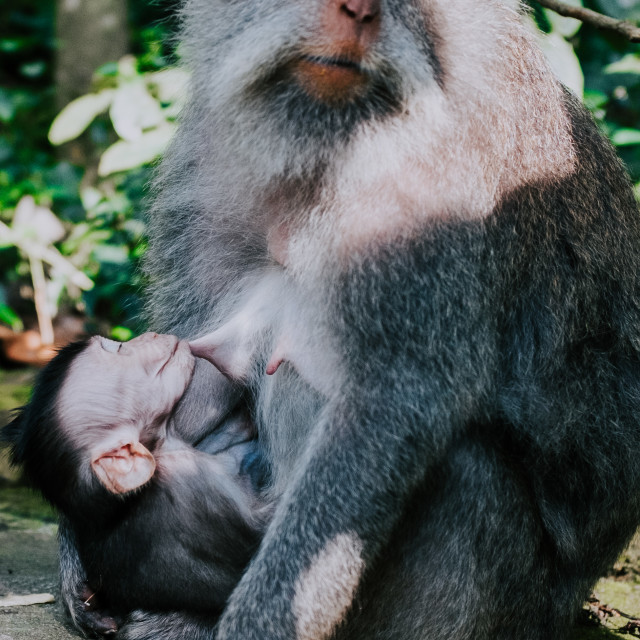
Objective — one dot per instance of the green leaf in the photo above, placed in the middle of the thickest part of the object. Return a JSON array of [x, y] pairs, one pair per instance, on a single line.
[[10, 317], [567, 27], [33, 69], [629, 64], [90, 197], [7, 107], [111, 253], [595, 99], [124, 155], [133, 110], [11, 45], [625, 137], [121, 334], [171, 84], [563, 61], [78, 115], [108, 70]]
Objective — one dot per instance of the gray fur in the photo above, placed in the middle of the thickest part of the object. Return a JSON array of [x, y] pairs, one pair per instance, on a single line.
[[467, 245]]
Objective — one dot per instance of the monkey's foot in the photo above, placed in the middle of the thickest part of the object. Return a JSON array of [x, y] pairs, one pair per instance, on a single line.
[[89, 617]]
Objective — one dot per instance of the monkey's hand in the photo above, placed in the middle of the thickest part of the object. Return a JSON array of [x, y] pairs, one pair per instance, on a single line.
[[88, 614]]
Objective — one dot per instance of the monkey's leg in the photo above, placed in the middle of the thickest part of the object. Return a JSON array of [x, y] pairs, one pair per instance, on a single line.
[[79, 600], [469, 560], [336, 520], [143, 625], [339, 515]]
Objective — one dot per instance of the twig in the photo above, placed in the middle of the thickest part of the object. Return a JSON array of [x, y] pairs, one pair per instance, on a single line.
[[21, 601], [594, 18], [47, 254], [45, 323], [603, 611]]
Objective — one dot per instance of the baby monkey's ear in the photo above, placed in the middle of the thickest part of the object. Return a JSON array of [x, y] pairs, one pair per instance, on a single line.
[[124, 468]]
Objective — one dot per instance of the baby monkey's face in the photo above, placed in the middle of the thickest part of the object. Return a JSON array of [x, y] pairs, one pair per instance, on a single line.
[[126, 382], [117, 397]]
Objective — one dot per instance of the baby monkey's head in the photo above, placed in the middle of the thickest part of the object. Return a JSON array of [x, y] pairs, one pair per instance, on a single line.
[[98, 411]]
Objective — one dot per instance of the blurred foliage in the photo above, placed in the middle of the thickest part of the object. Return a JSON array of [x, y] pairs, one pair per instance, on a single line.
[[605, 66], [142, 110], [102, 216], [128, 117]]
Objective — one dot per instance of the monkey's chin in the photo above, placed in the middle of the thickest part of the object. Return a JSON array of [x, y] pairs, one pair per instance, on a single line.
[[334, 81]]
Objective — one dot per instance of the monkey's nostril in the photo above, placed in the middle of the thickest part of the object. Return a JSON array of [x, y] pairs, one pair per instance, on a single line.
[[348, 11], [362, 11]]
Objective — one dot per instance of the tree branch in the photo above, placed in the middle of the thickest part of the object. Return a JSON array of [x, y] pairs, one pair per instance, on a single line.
[[594, 18]]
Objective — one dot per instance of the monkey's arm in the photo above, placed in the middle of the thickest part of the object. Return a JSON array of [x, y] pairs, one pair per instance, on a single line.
[[415, 331]]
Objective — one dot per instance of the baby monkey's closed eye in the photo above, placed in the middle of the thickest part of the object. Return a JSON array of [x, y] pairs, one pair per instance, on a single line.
[[110, 345]]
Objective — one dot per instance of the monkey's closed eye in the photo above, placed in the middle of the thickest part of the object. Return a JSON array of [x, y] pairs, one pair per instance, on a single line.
[[110, 345]]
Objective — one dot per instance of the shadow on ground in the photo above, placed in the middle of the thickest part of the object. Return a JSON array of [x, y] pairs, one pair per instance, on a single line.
[[28, 565], [28, 547]]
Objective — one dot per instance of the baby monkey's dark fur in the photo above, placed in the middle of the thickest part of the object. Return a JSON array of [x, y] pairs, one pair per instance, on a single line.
[[182, 540]]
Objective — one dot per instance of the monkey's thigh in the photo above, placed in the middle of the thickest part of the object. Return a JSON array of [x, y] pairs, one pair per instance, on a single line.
[[469, 560]]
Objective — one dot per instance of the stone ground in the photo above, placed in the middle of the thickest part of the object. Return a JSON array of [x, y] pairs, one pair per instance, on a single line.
[[28, 551], [28, 559]]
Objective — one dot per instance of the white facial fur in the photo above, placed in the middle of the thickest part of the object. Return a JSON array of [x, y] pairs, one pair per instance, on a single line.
[[488, 120], [115, 391]]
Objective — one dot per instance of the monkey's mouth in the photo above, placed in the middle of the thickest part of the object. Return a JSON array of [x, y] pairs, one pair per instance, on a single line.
[[343, 63], [330, 79]]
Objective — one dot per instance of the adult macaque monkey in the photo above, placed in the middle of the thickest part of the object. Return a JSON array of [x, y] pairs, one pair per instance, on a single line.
[[464, 246]]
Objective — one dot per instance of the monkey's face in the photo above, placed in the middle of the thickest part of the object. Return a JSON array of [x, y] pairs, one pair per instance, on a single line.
[[115, 402], [365, 120], [309, 71], [124, 390], [336, 50], [331, 68]]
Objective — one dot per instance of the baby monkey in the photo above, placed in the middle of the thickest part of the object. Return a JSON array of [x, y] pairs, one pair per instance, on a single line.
[[161, 522]]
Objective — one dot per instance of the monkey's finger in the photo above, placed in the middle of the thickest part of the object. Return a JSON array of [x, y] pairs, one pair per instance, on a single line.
[[274, 363]]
